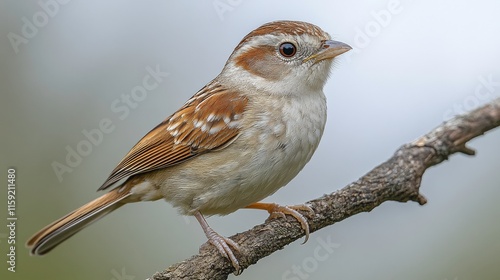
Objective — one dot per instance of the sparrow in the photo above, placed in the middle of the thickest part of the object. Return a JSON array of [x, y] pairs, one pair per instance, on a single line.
[[239, 139]]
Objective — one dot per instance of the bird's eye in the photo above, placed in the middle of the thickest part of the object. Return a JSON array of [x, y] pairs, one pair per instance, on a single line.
[[288, 49]]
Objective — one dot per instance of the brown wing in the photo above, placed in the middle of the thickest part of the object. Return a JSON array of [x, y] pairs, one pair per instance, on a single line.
[[210, 120]]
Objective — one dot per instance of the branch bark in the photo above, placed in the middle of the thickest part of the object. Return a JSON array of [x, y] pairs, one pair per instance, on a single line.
[[397, 179]]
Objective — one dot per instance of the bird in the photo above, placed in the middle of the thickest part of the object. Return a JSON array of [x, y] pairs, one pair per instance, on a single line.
[[239, 139]]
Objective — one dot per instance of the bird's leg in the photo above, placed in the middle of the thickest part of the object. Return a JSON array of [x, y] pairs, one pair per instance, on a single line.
[[276, 210], [222, 243]]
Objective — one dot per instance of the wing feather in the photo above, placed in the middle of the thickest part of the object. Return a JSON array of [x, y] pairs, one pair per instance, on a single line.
[[210, 120]]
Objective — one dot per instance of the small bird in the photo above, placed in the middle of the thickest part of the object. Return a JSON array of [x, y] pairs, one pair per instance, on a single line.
[[238, 140]]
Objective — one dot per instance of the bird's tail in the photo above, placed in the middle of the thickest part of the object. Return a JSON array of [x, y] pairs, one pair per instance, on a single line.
[[55, 233]]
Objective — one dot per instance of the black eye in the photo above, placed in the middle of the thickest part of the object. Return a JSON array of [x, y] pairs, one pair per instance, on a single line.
[[288, 49]]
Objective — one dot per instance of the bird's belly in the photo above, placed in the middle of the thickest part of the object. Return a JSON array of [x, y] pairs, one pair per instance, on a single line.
[[262, 160]]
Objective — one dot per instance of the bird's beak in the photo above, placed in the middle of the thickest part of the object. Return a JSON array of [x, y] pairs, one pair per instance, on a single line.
[[329, 50]]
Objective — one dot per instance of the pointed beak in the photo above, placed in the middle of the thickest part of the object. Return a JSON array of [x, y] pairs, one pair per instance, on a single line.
[[329, 50]]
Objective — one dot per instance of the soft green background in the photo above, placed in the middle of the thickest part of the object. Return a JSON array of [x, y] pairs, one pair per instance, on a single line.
[[411, 72]]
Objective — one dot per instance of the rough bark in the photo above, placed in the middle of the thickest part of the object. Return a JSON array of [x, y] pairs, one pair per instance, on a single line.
[[397, 179]]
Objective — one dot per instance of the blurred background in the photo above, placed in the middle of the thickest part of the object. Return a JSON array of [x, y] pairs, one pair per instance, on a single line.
[[70, 68]]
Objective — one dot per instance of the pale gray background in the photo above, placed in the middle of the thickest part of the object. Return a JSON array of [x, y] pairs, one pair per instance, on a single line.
[[411, 74]]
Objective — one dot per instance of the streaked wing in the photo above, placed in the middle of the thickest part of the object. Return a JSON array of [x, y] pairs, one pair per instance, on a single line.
[[210, 120]]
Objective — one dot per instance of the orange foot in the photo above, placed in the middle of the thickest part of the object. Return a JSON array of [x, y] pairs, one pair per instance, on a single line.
[[276, 211]]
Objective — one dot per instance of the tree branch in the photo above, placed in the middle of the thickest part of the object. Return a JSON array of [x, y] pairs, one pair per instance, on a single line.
[[397, 179]]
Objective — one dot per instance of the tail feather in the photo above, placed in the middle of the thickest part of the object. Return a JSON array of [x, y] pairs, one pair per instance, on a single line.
[[55, 233]]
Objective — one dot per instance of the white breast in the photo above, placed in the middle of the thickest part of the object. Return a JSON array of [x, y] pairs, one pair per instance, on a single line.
[[279, 138]]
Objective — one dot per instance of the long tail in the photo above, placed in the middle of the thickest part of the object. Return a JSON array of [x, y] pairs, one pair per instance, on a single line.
[[55, 233]]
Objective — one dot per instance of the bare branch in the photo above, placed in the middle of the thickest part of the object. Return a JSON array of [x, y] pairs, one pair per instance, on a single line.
[[397, 179]]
